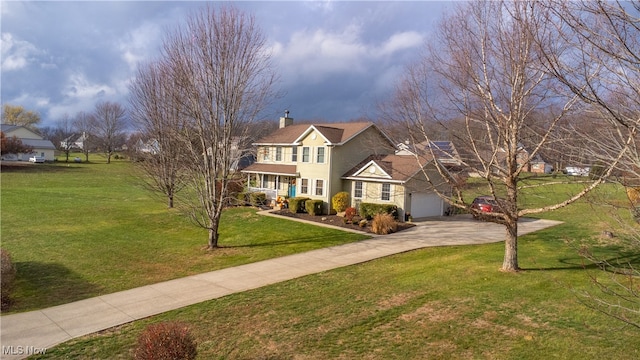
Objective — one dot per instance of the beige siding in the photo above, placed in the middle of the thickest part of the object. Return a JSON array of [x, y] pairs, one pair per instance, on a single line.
[[345, 157]]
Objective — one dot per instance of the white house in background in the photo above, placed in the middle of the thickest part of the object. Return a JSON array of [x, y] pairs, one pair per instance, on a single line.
[[75, 141], [319, 160], [41, 147]]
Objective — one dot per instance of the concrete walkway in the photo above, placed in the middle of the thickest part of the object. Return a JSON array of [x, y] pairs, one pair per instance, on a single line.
[[28, 333]]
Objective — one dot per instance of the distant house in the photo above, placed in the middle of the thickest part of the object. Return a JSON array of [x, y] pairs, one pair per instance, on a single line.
[[319, 160], [41, 147], [147, 147], [75, 141]]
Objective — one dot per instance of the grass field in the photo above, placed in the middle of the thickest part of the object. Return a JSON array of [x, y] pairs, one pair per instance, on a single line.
[[84, 230], [437, 303]]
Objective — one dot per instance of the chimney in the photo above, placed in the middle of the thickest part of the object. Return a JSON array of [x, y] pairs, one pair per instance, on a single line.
[[286, 120]]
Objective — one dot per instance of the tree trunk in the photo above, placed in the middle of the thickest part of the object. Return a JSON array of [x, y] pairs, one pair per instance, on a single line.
[[510, 262], [213, 239], [170, 201]]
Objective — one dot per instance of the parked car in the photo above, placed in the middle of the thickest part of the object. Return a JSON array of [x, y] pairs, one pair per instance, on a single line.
[[485, 204], [36, 159]]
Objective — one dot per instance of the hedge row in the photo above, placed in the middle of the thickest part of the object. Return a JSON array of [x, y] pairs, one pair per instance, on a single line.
[[303, 204], [369, 210], [297, 204]]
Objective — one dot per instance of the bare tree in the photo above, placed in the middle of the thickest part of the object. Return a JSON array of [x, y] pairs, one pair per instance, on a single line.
[[160, 120], [483, 81], [63, 135], [108, 123], [221, 78], [605, 42], [83, 122]]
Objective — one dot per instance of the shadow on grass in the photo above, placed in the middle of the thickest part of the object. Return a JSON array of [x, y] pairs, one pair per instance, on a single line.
[[41, 285], [25, 167], [619, 264]]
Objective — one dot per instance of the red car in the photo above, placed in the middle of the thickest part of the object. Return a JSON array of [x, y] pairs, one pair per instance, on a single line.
[[485, 204]]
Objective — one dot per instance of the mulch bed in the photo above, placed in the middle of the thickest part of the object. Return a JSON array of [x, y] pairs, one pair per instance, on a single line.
[[336, 220]]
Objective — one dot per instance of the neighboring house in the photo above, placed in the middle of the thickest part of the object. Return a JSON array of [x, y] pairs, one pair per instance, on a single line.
[[320, 160], [75, 141], [147, 147], [41, 147]]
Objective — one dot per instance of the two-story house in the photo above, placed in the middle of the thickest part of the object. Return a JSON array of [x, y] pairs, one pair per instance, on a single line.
[[319, 160]]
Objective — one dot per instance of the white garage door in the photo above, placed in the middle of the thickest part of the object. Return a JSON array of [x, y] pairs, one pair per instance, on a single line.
[[425, 205]]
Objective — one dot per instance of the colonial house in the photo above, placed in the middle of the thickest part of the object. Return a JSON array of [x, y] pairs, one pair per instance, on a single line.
[[41, 147], [319, 160], [75, 141]]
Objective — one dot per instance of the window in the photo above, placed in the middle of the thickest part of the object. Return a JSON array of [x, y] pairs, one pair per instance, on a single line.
[[305, 154], [294, 154], [319, 187], [265, 153], [304, 186], [265, 181], [386, 191], [357, 191], [278, 153], [320, 156]]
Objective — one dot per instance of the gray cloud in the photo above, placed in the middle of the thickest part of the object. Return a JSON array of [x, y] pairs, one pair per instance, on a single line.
[[334, 58]]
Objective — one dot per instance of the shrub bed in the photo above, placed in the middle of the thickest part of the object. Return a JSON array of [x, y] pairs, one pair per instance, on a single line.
[[314, 207], [369, 210], [340, 201], [384, 224], [297, 204]]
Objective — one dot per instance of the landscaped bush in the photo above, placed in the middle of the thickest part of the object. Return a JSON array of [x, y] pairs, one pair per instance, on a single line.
[[7, 275], [314, 207], [384, 224], [369, 210], [257, 198], [349, 213], [297, 204], [166, 341], [340, 201]]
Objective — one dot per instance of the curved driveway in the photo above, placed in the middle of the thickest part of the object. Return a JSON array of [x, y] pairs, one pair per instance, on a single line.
[[31, 332]]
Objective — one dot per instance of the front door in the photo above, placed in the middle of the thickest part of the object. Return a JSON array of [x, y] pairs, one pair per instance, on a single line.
[[292, 188]]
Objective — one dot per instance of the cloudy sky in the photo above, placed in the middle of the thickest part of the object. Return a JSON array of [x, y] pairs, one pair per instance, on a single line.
[[335, 59]]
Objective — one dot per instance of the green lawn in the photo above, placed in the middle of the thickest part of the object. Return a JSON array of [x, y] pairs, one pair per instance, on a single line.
[[436, 303], [80, 230]]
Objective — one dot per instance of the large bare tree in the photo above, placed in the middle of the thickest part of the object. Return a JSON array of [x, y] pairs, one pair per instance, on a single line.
[[603, 69], [160, 120], [482, 80], [221, 77], [108, 124]]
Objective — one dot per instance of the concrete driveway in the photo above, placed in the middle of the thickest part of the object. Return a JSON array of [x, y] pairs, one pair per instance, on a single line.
[[34, 332]]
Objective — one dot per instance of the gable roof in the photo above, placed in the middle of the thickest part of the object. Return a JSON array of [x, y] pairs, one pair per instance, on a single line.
[[9, 128], [333, 133], [399, 168]]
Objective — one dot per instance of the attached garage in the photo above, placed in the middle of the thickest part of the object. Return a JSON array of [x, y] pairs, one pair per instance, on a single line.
[[426, 205]]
